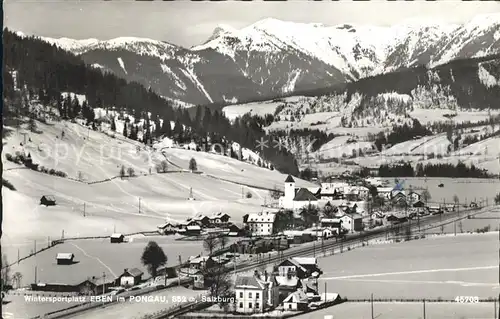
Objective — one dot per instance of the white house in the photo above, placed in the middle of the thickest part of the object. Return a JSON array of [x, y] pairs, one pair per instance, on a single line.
[[297, 198], [251, 294], [352, 222], [261, 224], [296, 301]]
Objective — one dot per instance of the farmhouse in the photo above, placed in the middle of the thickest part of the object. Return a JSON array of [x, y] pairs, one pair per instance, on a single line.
[[201, 262], [201, 219], [65, 258], [419, 204], [168, 228], [261, 224], [219, 218], [129, 277], [334, 223], [413, 197], [384, 192], [117, 238], [48, 200], [310, 264]]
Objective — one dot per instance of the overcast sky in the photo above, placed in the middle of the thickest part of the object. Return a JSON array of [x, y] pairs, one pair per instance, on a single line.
[[189, 23]]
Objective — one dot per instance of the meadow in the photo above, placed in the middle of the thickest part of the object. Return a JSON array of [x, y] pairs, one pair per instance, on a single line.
[[437, 267]]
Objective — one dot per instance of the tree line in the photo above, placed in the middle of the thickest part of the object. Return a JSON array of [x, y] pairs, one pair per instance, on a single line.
[[432, 170]]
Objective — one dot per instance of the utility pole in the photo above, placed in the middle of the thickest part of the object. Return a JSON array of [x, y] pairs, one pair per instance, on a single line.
[[180, 265], [103, 283], [424, 308], [35, 276], [18, 256], [83, 209], [34, 246], [62, 234], [371, 301], [139, 205], [325, 292]]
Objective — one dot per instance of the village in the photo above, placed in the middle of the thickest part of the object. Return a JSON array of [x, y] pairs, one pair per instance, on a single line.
[[298, 216]]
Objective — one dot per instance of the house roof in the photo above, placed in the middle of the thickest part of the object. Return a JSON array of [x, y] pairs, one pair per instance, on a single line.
[[193, 227], [289, 179], [134, 272], [305, 260], [190, 271], [219, 215], [49, 197], [293, 262], [303, 194], [166, 225], [248, 283], [65, 256], [199, 259], [298, 296], [116, 235], [285, 281], [262, 217], [330, 220]]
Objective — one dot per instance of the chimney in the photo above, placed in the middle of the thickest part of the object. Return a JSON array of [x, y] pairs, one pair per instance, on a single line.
[[125, 270]]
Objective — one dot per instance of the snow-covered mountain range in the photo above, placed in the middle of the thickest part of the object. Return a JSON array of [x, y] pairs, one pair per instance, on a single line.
[[271, 57]]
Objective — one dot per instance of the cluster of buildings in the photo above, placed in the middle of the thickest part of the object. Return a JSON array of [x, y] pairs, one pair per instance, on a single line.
[[292, 286], [194, 226]]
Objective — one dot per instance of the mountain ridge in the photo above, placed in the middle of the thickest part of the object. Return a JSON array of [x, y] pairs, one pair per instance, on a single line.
[[236, 64]]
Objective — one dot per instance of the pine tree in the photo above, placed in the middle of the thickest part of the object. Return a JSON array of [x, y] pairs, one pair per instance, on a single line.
[[113, 125]]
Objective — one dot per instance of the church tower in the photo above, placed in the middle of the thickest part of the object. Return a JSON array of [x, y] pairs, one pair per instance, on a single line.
[[289, 191]]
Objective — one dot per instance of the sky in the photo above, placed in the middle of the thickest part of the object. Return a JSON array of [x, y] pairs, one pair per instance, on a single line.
[[187, 23]]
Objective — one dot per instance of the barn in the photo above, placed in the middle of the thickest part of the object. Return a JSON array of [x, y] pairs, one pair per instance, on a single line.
[[130, 277], [65, 258], [48, 200], [117, 238]]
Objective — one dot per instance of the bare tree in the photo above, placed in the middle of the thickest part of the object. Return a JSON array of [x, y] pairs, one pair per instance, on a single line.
[[217, 279], [223, 241], [426, 195], [80, 176], [210, 243], [456, 200], [16, 277], [275, 193], [5, 276]]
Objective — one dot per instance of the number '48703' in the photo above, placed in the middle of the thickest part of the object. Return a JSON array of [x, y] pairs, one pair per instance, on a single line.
[[467, 299]]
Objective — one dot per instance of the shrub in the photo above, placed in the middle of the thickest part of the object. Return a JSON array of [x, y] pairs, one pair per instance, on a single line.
[[9, 157], [249, 195], [52, 171], [130, 171]]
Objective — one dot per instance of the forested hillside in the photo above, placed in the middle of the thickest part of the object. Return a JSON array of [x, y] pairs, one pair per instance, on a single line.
[[46, 71]]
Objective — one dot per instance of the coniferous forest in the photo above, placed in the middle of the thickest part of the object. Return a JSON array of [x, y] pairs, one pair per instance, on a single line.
[[47, 71]]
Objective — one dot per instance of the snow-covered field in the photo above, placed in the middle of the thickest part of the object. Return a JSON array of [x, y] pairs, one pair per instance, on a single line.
[[436, 267], [401, 310], [94, 258], [255, 108], [115, 204], [467, 189], [429, 116]]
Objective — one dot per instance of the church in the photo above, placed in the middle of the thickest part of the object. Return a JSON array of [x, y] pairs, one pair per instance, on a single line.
[[297, 198]]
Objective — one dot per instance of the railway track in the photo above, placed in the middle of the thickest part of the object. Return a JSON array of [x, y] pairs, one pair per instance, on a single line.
[[425, 224]]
